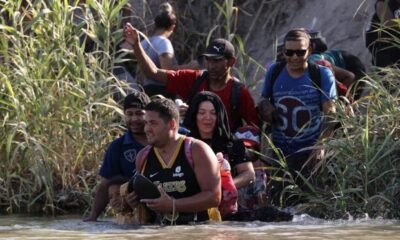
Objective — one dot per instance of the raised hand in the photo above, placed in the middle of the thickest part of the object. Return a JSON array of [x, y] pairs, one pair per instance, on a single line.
[[131, 34]]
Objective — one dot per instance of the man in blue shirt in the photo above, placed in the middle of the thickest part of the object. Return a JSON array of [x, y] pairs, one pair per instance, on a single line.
[[119, 160], [297, 110]]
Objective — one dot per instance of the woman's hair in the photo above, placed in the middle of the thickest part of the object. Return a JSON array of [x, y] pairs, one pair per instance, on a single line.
[[221, 132], [166, 17], [318, 42]]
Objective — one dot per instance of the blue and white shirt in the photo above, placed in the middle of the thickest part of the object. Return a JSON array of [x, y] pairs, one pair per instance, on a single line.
[[299, 108]]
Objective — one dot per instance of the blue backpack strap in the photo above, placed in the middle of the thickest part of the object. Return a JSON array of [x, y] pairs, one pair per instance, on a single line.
[[315, 74], [141, 161], [274, 75], [188, 150], [313, 70]]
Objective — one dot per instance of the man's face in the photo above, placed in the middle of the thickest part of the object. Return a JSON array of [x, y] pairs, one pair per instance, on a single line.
[[296, 54], [217, 67], [134, 118], [157, 131]]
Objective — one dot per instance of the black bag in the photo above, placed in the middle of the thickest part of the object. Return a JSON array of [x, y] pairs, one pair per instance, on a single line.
[[371, 36], [143, 187]]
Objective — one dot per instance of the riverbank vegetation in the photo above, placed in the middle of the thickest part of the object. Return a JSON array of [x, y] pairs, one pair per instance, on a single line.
[[57, 106], [59, 110], [360, 174]]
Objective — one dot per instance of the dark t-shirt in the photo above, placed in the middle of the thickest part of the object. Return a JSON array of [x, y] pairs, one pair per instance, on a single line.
[[234, 151], [394, 8], [120, 157]]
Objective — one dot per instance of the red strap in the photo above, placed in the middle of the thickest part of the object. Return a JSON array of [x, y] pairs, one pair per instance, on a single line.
[[188, 150], [143, 158]]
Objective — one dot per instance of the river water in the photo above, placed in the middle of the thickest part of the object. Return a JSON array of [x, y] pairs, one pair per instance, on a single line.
[[301, 227]]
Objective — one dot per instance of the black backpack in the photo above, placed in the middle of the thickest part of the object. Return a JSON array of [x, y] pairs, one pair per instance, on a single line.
[[236, 87], [313, 70]]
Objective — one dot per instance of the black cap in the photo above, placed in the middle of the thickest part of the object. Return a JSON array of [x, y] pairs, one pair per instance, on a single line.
[[219, 48], [136, 99]]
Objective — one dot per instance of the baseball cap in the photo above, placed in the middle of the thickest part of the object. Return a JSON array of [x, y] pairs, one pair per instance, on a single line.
[[136, 99], [219, 48], [249, 135]]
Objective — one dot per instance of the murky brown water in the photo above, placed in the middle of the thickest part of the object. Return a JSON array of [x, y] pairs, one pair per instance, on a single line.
[[302, 227]]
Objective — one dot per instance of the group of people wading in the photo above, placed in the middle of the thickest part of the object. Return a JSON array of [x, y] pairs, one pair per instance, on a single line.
[[203, 153]]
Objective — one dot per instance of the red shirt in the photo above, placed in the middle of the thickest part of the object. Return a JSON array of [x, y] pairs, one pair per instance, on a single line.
[[180, 82]]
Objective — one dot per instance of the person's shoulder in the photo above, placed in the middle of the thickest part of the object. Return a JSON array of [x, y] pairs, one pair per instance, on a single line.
[[157, 39], [199, 146], [325, 70], [243, 90], [161, 41], [118, 141], [196, 142], [275, 65], [326, 75]]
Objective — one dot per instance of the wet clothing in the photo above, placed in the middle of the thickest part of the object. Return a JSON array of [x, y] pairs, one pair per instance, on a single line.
[[178, 179], [381, 41], [120, 157], [299, 108], [181, 82]]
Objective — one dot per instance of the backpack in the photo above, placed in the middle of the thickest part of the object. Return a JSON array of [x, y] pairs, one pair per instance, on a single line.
[[315, 76], [227, 204], [236, 87]]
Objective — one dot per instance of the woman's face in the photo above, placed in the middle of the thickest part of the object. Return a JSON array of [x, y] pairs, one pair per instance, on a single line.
[[206, 119]]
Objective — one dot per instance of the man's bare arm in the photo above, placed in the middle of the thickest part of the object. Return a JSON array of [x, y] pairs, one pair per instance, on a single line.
[[146, 64], [245, 174], [206, 168]]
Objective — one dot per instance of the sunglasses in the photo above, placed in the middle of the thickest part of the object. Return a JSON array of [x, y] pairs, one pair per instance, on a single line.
[[298, 52]]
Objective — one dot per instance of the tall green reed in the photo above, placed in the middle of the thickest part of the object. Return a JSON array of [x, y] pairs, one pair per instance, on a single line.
[[57, 107], [228, 29], [360, 174]]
